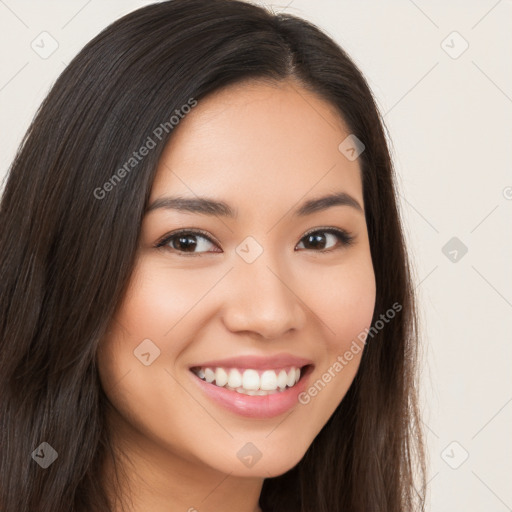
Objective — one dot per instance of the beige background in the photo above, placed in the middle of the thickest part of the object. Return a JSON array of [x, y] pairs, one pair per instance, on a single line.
[[450, 122]]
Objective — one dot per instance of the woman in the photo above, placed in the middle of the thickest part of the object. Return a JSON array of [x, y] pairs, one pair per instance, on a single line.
[[206, 300]]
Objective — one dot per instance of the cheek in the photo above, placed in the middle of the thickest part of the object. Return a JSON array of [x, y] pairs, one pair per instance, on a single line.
[[148, 397], [345, 306], [160, 306], [345, 303], [144, 338], [159, 302]]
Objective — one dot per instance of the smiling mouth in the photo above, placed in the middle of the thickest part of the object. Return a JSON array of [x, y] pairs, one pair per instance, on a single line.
[[249, 381]]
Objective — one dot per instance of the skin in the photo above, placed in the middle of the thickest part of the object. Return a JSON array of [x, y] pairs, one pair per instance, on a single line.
[[264, 149]]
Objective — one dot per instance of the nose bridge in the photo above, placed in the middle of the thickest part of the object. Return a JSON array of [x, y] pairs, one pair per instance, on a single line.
[[261, 297]]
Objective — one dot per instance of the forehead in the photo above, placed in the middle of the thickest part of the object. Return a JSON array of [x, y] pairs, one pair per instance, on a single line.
[[258, 143]]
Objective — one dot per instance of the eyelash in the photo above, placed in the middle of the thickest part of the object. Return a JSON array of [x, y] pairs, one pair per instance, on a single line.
[[343, 236]]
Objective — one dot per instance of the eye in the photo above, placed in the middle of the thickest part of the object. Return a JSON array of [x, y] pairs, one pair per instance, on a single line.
[[185, 241], [317, 237]]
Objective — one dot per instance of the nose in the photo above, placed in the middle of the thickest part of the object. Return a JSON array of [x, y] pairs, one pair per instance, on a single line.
[[263, 299]]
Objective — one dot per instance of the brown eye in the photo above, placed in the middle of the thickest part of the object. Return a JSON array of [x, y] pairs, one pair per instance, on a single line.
[[318, 239], [186, 242]]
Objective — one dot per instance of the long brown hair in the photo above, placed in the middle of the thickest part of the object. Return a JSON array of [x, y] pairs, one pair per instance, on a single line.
[[67, 253]]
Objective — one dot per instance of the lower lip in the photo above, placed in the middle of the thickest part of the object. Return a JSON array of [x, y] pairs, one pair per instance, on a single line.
[[255, 406]]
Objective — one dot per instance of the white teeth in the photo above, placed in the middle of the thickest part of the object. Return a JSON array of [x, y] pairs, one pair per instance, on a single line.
[[249, 381], [282, 379], [209, 375], [235, 379], [221, 377], [291, 378], [269, 380]]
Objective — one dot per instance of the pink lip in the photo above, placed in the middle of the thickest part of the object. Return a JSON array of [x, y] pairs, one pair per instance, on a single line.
[[257, 362], [254, 406]]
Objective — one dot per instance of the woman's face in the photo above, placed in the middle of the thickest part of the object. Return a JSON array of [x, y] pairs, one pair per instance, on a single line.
[[254, 294]]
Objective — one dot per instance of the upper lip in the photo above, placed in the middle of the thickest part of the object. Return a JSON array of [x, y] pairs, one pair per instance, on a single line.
[[257, 362]]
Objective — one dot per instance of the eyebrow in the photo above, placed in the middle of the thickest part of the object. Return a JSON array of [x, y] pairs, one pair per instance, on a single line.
[[208, 206]]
